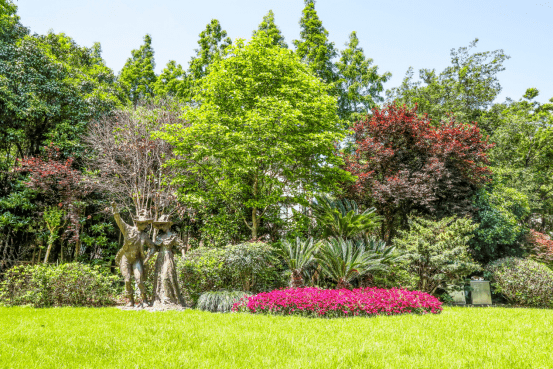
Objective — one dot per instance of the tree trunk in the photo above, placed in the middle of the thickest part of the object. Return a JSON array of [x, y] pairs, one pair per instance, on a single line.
[[48, 252], [254, 224], [77, 250], [296, 279], [254, 212], [78, 243], [343, 284]]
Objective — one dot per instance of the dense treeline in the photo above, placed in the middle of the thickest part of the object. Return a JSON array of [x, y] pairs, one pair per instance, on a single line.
[[237, 145]]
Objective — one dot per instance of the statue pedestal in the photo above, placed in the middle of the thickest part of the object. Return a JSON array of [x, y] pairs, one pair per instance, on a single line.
[[458, 297]]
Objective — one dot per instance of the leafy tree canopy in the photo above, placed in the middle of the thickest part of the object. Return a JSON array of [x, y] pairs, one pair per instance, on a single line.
[[264, 130], [360, 84], [49, 89], [466, 88], [404, 164], [523, 153], [10, 27]]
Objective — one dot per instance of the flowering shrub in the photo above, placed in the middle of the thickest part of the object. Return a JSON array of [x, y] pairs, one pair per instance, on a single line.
[[315, 302]]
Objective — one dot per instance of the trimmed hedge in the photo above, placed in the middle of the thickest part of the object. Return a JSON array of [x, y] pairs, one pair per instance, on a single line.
[[71, 284], [521, 281]]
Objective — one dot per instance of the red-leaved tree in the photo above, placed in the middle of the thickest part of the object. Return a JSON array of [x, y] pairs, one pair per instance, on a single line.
[[541, 247], [59, 184], [405, 164]]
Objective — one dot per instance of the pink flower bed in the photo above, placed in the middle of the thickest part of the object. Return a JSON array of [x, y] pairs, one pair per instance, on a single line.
[[340, 303]]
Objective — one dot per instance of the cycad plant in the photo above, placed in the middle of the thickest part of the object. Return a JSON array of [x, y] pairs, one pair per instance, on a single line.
[[343, 260], [386, 254], [297, 255], [342, 218]]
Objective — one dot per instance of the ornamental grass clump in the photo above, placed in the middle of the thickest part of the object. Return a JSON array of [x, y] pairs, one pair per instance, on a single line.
[[315, 302], [219, 301]]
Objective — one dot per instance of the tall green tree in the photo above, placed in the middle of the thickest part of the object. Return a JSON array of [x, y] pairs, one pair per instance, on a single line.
[[137, 78], [89, 76], [313, 47], [359, 85], [271, 29], [213, 41], [50, 89], [467, 88], [264, 131], [523, 154]]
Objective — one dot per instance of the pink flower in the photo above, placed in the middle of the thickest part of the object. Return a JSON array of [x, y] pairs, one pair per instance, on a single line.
[[331, 303]]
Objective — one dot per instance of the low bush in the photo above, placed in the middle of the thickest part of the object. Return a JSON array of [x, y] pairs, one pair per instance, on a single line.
[[72, 284], [219, 301], [314, 302], [249, 267], [522, 281]]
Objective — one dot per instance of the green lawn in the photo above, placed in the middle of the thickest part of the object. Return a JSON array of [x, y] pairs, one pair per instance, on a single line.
[[110, 338]]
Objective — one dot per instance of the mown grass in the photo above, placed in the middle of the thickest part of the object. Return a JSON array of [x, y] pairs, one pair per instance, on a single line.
[[110, 338]]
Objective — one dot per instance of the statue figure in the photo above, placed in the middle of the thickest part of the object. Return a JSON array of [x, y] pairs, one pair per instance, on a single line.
[[130, 258], [166, 288]]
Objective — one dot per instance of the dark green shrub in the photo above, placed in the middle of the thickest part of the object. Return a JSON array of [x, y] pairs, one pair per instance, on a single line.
[[522, 281], [250, 267], [255, 267], [203, 270], [219, 301], [500, 218], [72, 284]]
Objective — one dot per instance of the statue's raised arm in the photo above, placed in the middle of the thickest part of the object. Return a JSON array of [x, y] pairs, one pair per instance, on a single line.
[[124, 227]]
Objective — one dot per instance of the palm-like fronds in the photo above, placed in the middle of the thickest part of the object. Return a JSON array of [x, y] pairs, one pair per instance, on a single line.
[[343, 260], [341, 218], [386, 254], [297, 255]]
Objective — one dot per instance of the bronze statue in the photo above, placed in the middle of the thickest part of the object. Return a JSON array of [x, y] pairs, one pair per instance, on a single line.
[[131, 256], [166, 288]]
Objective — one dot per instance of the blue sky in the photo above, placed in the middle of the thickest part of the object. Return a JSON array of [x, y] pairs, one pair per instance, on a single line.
[[395, 33]]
